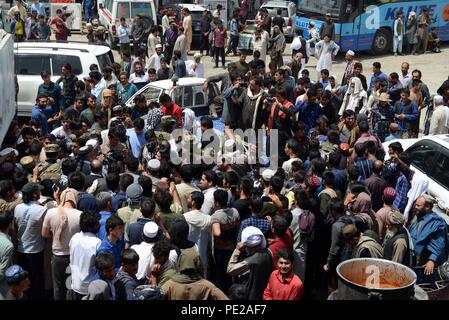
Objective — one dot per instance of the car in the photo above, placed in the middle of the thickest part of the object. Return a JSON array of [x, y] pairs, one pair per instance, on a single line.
[[288, 13], [186, 92], [33, 57], [429, 155], [110, 12], [196, 12], [246, 36]]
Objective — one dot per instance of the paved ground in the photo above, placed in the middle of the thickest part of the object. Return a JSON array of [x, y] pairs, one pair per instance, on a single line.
[[435, 67]]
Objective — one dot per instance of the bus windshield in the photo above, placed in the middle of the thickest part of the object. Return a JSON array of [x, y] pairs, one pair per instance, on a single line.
[[321, 7]]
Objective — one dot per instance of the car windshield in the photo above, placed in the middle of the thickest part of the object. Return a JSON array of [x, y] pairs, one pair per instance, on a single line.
[[273, 11], [104, 61], [196, 15], [250, 28], [321, 7], [152, 93]]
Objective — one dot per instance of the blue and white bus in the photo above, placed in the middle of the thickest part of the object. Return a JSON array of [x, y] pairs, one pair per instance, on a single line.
[[362, 25]]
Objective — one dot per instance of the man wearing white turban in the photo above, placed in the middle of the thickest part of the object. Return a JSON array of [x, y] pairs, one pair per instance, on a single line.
[[259, 262]]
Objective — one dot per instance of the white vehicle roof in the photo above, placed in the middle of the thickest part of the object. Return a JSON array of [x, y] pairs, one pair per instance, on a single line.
[[192, 7], [57, 46], [441, 139], [133, 0], [280, 4], [168, 84]]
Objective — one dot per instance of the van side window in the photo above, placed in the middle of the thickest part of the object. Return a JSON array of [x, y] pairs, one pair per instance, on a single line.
[[108, 5], [32, 65], [59, 60]]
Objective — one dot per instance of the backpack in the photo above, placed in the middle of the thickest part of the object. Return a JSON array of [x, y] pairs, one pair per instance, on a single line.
[[306, 223]]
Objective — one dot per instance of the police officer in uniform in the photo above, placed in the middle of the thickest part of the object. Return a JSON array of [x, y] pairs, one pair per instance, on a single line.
[[49, 169]]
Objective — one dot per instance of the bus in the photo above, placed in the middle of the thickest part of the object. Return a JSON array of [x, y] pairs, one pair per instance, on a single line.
[[367, 25]]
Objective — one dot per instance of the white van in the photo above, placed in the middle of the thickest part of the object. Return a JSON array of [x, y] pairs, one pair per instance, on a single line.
[[31, 58], [110, 12]]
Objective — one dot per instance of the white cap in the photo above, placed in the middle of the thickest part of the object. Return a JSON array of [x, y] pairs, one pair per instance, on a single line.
[[267, 174], [7, 151], [150, 229], [92, 142], [351, 53], [154, 164], [197, 55], [158, 46]]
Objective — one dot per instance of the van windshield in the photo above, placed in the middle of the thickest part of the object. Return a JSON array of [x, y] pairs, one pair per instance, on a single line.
[[123, 10], [142, 8]]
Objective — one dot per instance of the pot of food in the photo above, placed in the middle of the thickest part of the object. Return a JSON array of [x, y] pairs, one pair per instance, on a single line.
[[374, 279]]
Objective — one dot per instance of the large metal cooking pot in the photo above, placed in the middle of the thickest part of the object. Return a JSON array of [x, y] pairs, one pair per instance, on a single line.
[[374, 279]]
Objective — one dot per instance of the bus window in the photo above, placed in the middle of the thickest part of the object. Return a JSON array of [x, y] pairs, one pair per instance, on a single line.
[[321, 7]]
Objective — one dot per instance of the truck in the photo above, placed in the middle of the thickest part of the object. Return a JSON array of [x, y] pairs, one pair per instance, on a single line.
[[7, 81]]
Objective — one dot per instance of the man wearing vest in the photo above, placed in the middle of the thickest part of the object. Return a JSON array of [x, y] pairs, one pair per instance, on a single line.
[[397, 242], [49, 169]]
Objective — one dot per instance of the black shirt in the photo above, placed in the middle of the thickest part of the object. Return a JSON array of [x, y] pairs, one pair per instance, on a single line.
[[278, 21], [242, 206]]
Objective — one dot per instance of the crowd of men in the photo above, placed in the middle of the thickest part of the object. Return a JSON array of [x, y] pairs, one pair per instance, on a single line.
[[102, 193]]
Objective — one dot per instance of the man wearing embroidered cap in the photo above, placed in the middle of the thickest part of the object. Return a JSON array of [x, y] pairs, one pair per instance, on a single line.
[[18, 280], [259, 263], [389, 194]]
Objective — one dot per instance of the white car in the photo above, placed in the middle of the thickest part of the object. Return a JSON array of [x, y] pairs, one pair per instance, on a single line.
[[430, 156], [110, 12], [188, 92], [31, 58], [288, 13]]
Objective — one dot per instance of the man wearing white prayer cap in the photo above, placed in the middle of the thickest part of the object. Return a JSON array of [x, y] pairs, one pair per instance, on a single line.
[[259, 262], [439, 119], [349, 66]]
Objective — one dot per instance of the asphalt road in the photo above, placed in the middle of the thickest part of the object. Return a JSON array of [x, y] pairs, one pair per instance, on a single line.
[[434, 66]]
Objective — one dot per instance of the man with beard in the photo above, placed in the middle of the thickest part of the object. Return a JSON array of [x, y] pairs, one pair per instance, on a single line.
[[253, 113], [68, 80], [430, 240], [397, 242]]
